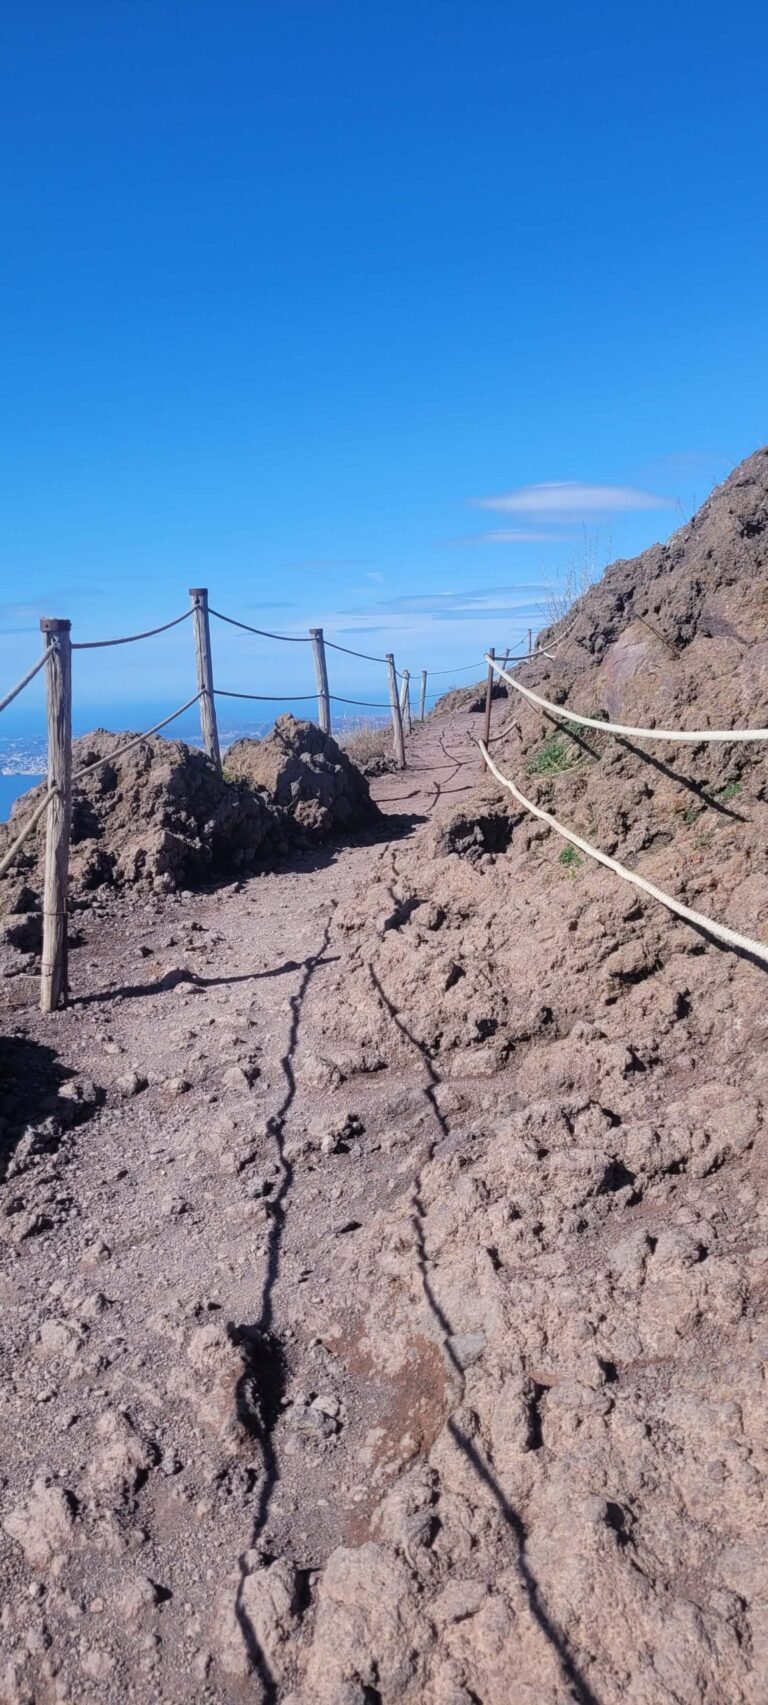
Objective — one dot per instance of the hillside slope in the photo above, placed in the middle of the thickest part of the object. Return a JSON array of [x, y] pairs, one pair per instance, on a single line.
[[385, 1276]]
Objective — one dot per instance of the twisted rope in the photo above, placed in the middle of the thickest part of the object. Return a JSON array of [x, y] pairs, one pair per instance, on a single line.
[[291, 638], [129, 638], [112, 757], [25, 679], [721, 932], [16, 845], [347, 649], [462, 671], [265, 698], [693, 736], [364, 704]]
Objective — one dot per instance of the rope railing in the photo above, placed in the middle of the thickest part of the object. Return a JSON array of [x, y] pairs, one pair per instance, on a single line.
[[129, 638], [57, 656], [112, 757], [57, 799], [564, 712], [264, 698], [464, 670], [720, 932], [25, 680], [363, 704], [295, 698], [8, 857], [367, 656], [85, 769], [263, 633]]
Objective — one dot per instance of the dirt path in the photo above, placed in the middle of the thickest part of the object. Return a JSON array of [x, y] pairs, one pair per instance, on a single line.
[[384, 1275], [185, 1375]]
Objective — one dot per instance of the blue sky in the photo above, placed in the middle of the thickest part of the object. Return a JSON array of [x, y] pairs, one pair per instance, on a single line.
[[364, 315]]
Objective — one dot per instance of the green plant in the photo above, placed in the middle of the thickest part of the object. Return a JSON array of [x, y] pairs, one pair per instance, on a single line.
[[552, 758], [692, 813], [569, 858], [731, 790]]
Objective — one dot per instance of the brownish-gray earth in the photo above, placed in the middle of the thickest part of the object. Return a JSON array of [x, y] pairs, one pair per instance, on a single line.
[[384, 1236]]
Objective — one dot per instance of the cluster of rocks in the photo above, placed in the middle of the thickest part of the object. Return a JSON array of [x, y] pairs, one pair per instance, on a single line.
[[309, 780], [163, 816]]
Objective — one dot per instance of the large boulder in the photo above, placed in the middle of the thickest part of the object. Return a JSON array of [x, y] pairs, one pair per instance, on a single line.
[[160, 815], [307, 776]]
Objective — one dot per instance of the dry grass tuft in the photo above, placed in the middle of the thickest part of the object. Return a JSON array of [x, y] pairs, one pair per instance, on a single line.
[[369, 745]]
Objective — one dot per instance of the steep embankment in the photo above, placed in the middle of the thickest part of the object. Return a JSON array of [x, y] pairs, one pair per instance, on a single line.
[[589, 1218], [406, 1340]]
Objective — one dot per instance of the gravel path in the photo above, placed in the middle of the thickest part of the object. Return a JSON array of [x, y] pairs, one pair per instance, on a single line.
[[170, 1267]]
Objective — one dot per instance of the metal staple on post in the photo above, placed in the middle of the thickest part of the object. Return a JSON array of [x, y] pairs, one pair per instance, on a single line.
[[488, 698], [58, 697], [397, 721], [321, 674], [423, 695], [204, 665]]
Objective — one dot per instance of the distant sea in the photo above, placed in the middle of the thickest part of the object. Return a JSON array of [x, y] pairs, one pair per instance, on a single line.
[[10, 789], [22, 741]]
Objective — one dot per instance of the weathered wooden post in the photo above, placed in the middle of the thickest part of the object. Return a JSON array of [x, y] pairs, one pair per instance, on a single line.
[[489, 697], [58, 703], [321, 674], [405, 701], [530, 641], [204, 664], [422, 695], [397, 721]]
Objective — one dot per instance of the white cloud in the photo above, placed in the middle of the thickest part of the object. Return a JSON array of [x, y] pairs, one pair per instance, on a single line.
[[510, 535], [569, 500]]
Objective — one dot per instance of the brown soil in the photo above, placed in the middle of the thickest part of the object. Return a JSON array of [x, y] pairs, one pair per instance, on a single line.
[[384, 1250]]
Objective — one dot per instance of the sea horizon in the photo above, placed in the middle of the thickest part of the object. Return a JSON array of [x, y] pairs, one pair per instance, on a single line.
[[23, 737]]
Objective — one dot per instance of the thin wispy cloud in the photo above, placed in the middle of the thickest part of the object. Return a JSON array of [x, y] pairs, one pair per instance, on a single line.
[[474, 601], [382, 628], [512, 535], [281, 604], [330, 562], [570, 500]]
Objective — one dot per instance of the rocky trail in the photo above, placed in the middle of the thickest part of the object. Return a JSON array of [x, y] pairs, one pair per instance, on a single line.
[[384, 1233]]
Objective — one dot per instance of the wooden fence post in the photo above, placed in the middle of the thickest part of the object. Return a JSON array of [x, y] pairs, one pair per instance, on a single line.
[[397, 721], [530, 641], [489, 697], [321, 674], [58, 700], [204, 664], [422, 695], [405, 701]]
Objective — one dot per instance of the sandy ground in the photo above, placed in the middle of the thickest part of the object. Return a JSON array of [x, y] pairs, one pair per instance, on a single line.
[[183, 1234], [384, 1263]]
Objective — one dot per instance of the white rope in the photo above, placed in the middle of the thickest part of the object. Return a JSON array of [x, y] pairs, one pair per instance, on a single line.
[[16, 845], [25, 679], [692, 735], [719, 931]]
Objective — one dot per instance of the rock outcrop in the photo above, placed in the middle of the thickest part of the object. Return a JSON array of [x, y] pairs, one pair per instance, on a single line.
[[307, 777]]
